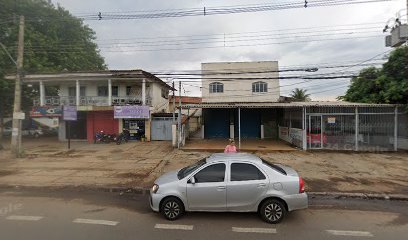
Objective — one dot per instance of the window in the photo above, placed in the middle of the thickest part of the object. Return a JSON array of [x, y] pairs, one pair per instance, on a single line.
[[72, 91], [128, 90], [245, 172], [115, 91], [82, 91], [274, 167], [103, 91], [164, 93], [213, 173], [258, 87], [216, 87]]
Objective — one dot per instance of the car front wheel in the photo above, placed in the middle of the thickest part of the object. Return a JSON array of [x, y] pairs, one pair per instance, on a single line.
[[172, 208], [272, 211]]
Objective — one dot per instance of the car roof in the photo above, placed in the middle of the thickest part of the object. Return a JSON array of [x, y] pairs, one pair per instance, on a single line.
[[233, 156]]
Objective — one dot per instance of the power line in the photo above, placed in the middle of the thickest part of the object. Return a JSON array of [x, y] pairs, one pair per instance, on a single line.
[[207, 11]]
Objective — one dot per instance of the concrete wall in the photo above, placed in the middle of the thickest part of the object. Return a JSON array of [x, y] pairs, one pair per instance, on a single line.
[[159, 103], [241, 89]]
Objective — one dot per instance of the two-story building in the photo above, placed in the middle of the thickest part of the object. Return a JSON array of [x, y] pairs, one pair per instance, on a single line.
[[105, 101], [239, 82]]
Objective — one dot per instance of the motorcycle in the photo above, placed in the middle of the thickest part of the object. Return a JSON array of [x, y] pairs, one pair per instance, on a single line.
[[124, 136], [101, 137]]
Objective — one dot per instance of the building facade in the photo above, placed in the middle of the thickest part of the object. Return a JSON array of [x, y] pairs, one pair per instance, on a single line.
[[98, 96]]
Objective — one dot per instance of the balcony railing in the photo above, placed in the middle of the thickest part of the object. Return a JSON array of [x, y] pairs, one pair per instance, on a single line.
[[92, 101]]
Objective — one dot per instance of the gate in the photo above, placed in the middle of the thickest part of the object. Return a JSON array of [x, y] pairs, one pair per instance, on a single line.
[[161, 128], [315, 138]]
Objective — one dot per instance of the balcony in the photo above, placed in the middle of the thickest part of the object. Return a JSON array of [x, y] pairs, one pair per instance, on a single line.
[[92, 101]]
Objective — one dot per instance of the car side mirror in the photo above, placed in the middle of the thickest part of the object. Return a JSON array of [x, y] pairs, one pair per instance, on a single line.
[[192, 180]]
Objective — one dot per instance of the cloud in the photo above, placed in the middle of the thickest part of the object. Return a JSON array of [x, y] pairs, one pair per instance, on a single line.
[[298, 53]]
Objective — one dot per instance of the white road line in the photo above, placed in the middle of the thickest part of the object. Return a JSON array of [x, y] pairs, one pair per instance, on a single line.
[[24, 218], [350, 233], [174, 226], [94, 221], [253, 230]]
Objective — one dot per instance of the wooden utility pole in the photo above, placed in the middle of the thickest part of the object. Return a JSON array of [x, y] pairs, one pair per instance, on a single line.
[[17, 115]]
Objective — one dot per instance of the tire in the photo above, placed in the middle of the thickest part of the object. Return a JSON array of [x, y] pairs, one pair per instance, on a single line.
[[272, 211], [172, 208]]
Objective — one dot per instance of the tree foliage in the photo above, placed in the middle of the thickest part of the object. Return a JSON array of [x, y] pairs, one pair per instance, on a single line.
[[388, 84], [300, 95], [54, 41]]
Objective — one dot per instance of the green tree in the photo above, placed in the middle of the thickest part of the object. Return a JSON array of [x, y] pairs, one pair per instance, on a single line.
[[388, 84], [55, 41], [300, 95]]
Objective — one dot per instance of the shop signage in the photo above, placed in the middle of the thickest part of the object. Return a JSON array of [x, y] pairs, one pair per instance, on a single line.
[[46, 111], [70, 113], [141, 112], [331, 120]]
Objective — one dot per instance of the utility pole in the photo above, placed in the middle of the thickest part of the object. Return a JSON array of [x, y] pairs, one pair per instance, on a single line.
[[174, 104], [17, 116], [179, 118]]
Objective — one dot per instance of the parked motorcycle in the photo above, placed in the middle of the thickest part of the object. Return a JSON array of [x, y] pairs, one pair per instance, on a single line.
[[102, 137], [123, 137]]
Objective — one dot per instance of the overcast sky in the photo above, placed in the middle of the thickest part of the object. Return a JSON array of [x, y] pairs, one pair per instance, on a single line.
[[114, 37]]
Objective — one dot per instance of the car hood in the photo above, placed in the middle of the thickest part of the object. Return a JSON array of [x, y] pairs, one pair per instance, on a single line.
[[289, 171], [167, 178]]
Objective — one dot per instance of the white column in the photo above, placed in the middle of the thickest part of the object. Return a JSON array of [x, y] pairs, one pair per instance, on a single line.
[[109, 92], [304, 128], [144, 92], [78, 92], [42, 94], [202, 132], [239, 128], [262, 132], [396, 129], [232, 131]]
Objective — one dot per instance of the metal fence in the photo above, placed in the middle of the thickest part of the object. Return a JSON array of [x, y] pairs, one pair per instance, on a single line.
[[373, 129]]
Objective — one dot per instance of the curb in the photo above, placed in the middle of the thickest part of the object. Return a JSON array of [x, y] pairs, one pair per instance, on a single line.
[[374, 196], [145, 191]]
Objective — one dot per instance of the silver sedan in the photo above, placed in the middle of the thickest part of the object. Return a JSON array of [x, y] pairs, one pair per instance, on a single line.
[[234, 182]]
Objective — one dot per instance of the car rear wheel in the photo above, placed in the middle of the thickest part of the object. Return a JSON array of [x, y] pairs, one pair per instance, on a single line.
[[172, 208], [272, 211]]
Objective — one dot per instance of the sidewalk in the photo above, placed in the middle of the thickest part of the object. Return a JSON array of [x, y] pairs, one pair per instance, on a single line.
[[137, 164]]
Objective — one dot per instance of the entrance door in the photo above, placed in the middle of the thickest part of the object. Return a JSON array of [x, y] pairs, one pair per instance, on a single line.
[[161, 129], [315, 134]]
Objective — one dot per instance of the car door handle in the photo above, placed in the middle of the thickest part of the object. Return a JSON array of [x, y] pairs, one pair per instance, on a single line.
[[261, 185], [221, 188]]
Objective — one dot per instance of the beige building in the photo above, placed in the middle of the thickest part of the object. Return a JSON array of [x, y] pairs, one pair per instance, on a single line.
[[240, 82]]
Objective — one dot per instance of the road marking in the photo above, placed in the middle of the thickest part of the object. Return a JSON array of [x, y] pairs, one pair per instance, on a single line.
[[94, 221], [350, 233], [253, 230], [24, 218], [174, 226]]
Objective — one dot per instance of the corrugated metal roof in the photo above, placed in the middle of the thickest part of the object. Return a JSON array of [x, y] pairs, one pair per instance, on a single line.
[[285, 105]]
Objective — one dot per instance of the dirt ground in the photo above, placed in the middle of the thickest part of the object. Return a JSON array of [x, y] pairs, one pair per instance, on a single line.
[[333, 171], [48, 162]]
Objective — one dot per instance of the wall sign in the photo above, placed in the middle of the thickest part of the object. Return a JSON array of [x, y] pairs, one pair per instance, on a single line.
[[142, 112], [70, 113], [46, 111]]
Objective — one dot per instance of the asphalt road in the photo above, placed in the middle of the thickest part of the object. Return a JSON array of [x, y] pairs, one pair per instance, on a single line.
[[95, 215]]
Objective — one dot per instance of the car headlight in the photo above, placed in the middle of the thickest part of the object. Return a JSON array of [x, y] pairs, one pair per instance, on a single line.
[[155, 188]]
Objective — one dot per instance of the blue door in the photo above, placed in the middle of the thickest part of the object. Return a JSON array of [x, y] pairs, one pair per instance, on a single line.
[[216, 123], [250, 123]]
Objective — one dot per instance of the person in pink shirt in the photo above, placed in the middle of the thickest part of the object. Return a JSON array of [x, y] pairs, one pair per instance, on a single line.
[[230, 148]]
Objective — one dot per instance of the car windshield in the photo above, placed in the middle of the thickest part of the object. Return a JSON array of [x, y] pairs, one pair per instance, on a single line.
[[274, 167], [187, 170]]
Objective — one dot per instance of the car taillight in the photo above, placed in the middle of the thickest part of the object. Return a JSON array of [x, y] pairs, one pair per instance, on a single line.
[[301, 185]]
